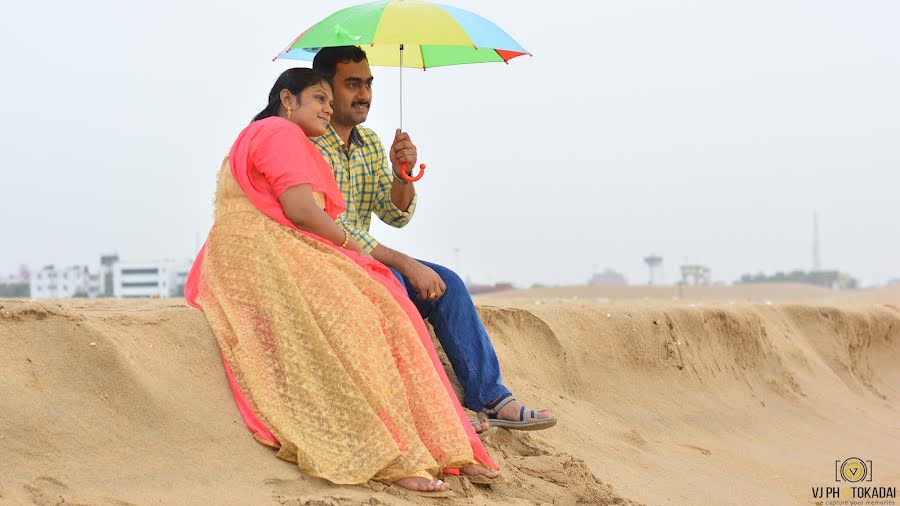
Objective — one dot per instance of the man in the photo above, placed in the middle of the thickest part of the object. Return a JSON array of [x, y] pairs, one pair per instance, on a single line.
[[370, 183]]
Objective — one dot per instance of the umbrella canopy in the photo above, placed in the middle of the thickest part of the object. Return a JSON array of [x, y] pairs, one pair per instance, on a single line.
[[431, 35]]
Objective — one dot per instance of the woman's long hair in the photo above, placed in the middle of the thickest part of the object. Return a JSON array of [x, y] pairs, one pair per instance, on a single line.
[[294, 80]]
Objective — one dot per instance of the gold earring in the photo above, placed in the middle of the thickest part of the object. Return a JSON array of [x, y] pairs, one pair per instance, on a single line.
[[290, 112]]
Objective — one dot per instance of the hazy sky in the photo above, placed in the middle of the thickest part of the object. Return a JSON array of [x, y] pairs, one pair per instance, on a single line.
[[703, 131]]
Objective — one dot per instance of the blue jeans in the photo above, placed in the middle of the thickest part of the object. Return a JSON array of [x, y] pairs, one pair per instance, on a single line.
[[461, 333]]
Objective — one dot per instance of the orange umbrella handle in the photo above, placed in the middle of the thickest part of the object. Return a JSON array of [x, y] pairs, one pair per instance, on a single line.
[[408, 177]]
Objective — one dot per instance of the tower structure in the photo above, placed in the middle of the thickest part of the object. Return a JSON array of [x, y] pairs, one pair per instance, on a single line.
[[653, 262], [817, 261]]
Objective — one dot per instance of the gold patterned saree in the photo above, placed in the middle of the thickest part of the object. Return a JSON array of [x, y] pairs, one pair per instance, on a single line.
[[322, 352]]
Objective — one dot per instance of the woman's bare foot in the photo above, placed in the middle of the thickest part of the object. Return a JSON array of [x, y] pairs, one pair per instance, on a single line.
[[479, 470], [422, 484], [481, 425]]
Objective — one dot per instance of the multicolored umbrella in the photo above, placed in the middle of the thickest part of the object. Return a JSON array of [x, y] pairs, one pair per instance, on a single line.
[[408, 33], [430, 35]]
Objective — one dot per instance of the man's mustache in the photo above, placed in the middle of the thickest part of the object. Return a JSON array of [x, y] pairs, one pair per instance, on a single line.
[[356, 103]]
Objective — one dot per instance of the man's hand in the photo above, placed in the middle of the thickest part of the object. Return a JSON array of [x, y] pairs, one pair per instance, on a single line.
[[427, 283], [403, 151]]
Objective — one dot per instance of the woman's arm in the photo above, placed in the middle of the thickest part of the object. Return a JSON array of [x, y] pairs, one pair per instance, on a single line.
[[300, 207]]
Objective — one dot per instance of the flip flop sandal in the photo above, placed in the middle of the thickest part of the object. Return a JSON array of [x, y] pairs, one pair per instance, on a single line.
[[533, 423]]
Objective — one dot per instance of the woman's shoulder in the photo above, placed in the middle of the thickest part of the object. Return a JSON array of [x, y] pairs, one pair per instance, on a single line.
[[273, 130], [274, 124]]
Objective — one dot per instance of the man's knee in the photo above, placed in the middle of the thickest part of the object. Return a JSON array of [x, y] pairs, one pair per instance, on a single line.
[[450, 278]]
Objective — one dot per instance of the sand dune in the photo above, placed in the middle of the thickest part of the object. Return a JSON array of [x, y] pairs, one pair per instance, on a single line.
[[660, 402], [758, 292]]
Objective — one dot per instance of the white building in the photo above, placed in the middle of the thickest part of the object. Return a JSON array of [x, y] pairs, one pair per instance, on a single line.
[[67, 282], [608, 277], [106, 273], [94, 285], [151, 279]]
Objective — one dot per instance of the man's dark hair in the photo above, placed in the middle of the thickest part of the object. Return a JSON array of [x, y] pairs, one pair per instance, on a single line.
[[327, 58]]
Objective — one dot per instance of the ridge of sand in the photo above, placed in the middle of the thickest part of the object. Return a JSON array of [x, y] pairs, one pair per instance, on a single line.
[[756, 292], [125, 402]]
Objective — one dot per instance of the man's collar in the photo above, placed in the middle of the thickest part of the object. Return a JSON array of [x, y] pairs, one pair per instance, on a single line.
[[355, 137]]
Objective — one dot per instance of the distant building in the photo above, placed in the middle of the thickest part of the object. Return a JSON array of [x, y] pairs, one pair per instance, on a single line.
[[481, 289], [94, 285], [64, 283], [113, 279], [23, 276], [106, 271], [152, 279], [181, 274], [608, 277], [16, 285], [695, 275], [834, 280]]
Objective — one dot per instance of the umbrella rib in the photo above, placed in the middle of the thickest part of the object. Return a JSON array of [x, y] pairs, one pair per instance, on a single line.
[[380, 19], [288, 48]]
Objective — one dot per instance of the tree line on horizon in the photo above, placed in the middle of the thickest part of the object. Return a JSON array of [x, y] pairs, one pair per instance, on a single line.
[[828, 279]]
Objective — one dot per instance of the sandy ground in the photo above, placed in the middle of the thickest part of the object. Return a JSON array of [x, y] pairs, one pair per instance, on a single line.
[[727, 395]]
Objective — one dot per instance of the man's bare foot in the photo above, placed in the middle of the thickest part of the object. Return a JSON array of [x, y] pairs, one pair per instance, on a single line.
[[478, 470], [509, 413], [512, 409], [422, 484]]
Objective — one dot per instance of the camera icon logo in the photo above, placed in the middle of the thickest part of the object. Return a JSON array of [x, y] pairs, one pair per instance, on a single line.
[[853, 470]]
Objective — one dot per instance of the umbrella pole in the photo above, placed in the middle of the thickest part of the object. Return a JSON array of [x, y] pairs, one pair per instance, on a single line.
[[403, 174]]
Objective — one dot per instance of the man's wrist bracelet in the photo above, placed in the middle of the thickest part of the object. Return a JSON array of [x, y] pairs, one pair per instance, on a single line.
[[398, 178]]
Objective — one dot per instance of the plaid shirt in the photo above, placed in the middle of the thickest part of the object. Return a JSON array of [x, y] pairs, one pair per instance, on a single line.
[[363, 173]]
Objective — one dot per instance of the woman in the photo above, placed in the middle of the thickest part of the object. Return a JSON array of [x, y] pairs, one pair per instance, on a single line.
[[327, 357]]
